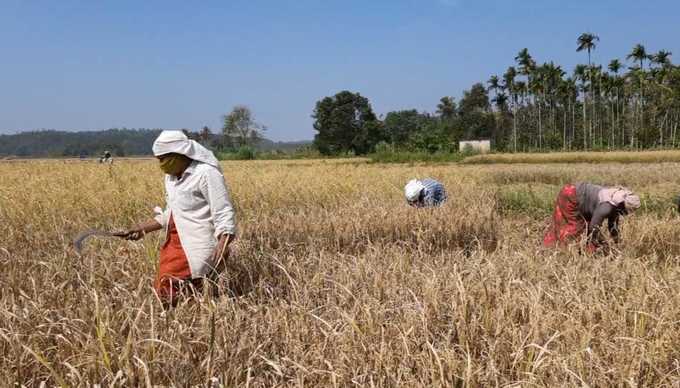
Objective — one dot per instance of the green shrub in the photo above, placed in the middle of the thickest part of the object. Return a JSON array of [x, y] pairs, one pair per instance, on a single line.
[[242, 153], [662, 206], [527, 201], [387, 153], [469, 150]]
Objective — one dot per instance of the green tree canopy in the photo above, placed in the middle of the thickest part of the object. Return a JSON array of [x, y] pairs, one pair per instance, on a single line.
[[401, 125], [474, 100], [346, 122], [446, 109]]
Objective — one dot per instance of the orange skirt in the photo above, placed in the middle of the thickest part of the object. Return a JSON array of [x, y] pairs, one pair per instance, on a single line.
[[174, 273]]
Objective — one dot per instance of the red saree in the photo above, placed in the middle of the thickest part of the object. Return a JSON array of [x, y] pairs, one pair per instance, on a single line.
[[567, 222]]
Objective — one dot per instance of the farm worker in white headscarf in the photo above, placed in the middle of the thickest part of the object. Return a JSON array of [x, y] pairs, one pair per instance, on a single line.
[[425, 193], [199, 219]]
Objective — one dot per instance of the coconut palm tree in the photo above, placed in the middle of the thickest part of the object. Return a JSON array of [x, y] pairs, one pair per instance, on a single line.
[[662, 58], [639, 53], [572, 96], [524, 59], [587, 41], [552, 80], [494, 84], [563, 95], [537, 88], [596, 88], [521, 91], [509, 82], [527, 67], [659, 77], [501, 102], [635, 87], [599, 113], [615, 83], [580, 74], [526, 63]]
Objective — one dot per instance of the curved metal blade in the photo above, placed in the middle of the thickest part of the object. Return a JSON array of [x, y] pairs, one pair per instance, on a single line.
[[80, 239]]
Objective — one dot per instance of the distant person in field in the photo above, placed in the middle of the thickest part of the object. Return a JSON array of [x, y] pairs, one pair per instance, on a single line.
[[106, 158], [425, 193], [199, 220], [580, 211]]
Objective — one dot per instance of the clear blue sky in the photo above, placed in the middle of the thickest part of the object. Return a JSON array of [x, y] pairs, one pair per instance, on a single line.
[[79, 65]]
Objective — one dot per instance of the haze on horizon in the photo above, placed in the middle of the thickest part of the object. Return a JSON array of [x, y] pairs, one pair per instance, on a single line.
[[76, 65]]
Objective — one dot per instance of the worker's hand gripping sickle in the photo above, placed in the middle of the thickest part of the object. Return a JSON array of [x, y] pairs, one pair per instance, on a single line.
[[132, 235], [139, 231]]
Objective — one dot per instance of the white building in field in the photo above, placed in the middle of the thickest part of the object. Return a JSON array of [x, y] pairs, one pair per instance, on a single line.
[[481, 146]]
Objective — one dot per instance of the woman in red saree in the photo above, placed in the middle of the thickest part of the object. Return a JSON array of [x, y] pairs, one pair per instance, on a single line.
[[580, 210]]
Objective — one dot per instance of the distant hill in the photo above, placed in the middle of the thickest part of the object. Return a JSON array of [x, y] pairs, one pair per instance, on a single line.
[[120, 142]]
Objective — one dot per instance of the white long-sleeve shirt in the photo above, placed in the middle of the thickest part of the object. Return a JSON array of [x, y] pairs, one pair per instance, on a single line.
[[201, 208]]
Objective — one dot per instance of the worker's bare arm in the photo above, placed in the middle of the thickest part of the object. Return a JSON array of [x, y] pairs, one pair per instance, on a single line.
[[221, 247], [602, 212], [614, 226], [137, 232]]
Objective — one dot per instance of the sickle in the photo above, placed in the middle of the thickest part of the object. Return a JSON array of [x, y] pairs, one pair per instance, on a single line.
[[80, 239]]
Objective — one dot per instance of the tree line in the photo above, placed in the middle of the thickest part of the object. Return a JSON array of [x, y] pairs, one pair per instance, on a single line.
[[119, 142], [631, 103], [239, 130], [51, 143]]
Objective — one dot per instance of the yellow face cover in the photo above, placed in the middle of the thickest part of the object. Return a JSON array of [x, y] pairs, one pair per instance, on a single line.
[[174, 164]]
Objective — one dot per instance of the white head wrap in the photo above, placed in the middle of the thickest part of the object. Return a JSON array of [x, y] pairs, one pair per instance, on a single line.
[[177, 142], [632, 202], [619, 195], [412, 189]]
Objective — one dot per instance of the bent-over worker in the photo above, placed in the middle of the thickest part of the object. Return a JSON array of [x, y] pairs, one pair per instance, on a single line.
[[425, 193], [583, 207], [199, 219]]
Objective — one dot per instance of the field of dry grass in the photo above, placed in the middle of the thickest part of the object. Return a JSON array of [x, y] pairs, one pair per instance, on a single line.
[[336, 282], [578, 157]]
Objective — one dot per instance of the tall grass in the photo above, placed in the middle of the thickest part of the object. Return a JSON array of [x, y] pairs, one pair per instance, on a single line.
[[577, 157], [336, 282], [391, 156], [250, 153]]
